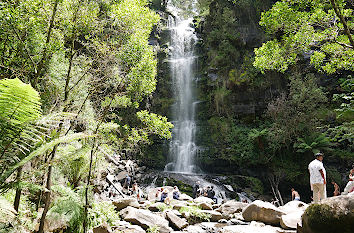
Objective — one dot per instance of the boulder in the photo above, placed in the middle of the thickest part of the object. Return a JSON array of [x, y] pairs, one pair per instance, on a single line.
[[124, 202], [202, 199], [294, 206], [156, 207], [254, 227], [231, 207], [185, 197], [205, 206], [126, 227], [263, 212], [334, 214], [54, 222], [176, 222], [103, 228], [291, 220], [121, 175], [214, 215], [145, 219], [194, 229]]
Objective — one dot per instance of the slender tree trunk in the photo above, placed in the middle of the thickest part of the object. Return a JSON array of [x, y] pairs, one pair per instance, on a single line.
[[18, 189], [93, 150], [345, 25], [51, 157], [40, 66]]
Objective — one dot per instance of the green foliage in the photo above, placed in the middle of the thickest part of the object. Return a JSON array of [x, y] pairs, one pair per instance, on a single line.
[[74, 162], [195, 214], [68, 206], [163, 207], [103, 212], [153, 229], [305, 27], [19, 106], [313, 143], [155, 124]]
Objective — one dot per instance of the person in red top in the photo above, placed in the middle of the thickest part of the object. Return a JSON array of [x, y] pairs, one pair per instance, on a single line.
[[350, 185]]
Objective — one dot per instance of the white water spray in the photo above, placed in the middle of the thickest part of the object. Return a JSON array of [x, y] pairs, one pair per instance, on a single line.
[[182, 66]]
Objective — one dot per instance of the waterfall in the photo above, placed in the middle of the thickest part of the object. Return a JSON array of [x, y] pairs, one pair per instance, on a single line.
[[182, 62]]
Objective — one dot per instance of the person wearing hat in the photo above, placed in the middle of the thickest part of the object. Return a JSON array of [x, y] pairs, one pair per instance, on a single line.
[[318, 178]]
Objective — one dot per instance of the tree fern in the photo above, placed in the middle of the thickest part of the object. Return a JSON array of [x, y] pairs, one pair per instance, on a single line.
[[19, 105]]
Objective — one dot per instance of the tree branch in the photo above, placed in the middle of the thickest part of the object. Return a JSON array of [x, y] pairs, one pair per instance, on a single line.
[[342, 20]]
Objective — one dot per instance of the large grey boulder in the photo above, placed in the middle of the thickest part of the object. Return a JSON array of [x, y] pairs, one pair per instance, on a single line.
[[263, 212], [185, 197], [202, 199], [293, 206], [176, 222], [254, 227], [103, 228], [293, 211], [291, 220], [205, 206], [214, 215], [124, 202], [194, 229], [334, 214], [145, 219], [126, 227], [231, 207]]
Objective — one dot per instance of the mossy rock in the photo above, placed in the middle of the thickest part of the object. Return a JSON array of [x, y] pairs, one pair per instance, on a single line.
[[336, 214]]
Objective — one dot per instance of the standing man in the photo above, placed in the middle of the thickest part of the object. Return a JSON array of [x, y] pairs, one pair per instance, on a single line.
[[318, 178]]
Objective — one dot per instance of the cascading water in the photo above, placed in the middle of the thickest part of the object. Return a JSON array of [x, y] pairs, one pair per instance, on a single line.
[[182, 66]]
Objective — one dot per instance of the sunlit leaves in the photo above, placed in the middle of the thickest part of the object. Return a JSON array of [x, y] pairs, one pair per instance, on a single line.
[[305, 28]]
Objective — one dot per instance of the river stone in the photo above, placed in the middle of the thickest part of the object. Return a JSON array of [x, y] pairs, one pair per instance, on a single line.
[[121, 175], [231, 207], [145, 219], [202, 199], [252, 228], [185, 197], [124, 202], [195, 229], [156, 207], [291, 220], [205, 206], [334, 214], [103, 228], [215, 216], [176, 222], [263, 212], [123, 226], [293, 206]]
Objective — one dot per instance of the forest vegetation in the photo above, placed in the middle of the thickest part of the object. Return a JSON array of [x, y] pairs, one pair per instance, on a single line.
[[79, 80]]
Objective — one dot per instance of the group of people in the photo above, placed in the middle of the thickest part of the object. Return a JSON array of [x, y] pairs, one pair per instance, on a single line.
[[132, 190], [318, 181], [206, 192], [162, 195]]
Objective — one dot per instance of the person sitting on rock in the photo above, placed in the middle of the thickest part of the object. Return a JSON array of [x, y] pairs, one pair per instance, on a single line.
[[336, 191], [196, 188], [295, 196], [211, 194], [164, 197], [176, 193], [350, 185]]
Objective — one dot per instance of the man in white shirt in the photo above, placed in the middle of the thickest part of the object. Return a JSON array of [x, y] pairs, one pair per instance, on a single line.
[[318, 178]]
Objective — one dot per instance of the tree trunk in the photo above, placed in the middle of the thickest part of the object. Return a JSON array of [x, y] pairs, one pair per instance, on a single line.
[[34, 81], [18, 189], [342, 20]]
